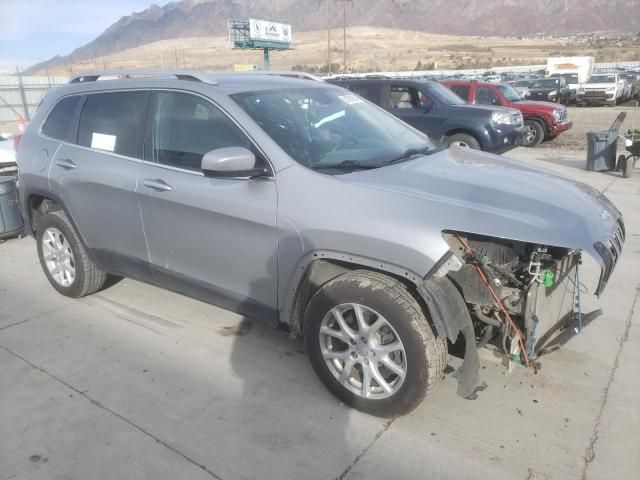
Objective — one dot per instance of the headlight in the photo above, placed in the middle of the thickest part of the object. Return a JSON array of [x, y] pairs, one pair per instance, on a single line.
[[610, 89], [527, 93], [556, 114], [553, 92], [504, 118], [581, 90]]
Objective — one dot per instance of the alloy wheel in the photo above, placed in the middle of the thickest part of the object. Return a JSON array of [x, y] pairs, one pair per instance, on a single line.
[[58, 257], [363, 351]]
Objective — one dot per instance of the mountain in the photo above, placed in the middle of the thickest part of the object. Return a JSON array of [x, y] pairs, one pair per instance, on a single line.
[[189, 18]]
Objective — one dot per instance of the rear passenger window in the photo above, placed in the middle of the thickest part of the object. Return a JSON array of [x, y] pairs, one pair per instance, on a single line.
[[461, 90], [186, 127], [60, 121], [370, 92], [114, 122]]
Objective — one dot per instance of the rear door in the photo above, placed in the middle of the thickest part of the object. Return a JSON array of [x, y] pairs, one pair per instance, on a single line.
[[210, 238], [94, 173]]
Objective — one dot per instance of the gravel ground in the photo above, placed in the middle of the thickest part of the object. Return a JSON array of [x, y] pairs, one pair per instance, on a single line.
[[586, 119]]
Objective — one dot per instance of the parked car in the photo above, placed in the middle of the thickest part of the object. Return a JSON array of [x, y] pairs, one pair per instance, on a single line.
[[8, 165], [572, 81], [544, 120], [601, 89], [521, 86], [300, 204], [634, 80], [551, 89], [442, 115]]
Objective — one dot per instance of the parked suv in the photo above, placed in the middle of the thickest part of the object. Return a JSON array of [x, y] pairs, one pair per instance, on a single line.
[[544, 120], [551, 89], [445, 117], [298, 203]]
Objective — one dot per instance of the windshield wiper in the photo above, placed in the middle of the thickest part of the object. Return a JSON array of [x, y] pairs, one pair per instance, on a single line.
[[410, 153], [346, 164]]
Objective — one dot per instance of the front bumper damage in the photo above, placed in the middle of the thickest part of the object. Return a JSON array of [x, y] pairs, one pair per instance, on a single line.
[[539, 316]]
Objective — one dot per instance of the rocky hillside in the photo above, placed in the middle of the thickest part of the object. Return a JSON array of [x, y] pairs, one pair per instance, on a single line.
[[189, 18]]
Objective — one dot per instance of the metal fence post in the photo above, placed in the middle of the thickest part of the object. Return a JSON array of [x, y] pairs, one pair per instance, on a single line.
[[23, 96]]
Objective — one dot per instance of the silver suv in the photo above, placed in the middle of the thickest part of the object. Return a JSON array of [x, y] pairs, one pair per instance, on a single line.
[[300, 204]]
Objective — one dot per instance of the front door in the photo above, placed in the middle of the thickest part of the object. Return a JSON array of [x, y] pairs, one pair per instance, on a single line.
[[416, 108], [211, 238]]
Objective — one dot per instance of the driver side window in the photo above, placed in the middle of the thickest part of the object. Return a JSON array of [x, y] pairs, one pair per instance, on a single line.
[[185, 127], [402, 98], [486, 96]]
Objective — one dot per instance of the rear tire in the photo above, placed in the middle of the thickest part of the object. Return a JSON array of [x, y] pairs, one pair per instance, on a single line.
[[64, 259], [463, 140], [345, 352], [535, 133]]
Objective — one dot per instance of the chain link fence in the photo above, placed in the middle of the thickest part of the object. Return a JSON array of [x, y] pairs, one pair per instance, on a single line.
[[20, 95]]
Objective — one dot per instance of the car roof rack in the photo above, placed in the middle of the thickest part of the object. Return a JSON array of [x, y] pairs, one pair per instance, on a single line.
[[191, 75]]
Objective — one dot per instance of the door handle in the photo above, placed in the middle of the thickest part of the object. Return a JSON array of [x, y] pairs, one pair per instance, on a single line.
[[66, 163], [157, 184]]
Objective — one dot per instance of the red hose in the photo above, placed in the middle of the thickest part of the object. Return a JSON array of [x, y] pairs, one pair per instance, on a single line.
[[497, 300]]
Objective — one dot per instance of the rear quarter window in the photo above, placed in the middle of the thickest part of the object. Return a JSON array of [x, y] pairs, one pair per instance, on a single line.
[[461, 90], [59, 123], [114, 122]]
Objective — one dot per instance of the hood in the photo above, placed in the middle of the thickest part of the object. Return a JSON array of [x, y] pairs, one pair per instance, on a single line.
[[533, 106], [475, 192], [598, 86], [543, 90]]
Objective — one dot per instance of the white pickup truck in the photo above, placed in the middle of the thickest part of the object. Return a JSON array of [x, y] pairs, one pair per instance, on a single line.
[[601, 89]]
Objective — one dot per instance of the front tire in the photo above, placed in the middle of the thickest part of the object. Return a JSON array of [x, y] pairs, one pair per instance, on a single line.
[[370, 343], [64, 259], [462, 140], [535, 133]]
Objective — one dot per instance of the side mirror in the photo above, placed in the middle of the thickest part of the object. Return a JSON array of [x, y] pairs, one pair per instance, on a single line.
[[426, 106], [231, 162]]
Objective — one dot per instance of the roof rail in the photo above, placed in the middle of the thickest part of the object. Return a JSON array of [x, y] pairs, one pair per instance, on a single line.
[[192, 75], [280, 73]]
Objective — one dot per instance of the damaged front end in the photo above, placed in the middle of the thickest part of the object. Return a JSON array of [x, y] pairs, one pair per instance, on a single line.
[[521, 300]]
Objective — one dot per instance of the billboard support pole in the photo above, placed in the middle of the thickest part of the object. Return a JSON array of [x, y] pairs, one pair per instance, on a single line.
[[266, 59]]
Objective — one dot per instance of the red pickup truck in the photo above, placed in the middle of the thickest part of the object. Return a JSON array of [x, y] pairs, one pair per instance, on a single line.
[[544, 120]]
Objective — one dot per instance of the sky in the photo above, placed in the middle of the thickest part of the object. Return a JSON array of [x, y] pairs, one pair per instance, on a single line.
[[35, 30]]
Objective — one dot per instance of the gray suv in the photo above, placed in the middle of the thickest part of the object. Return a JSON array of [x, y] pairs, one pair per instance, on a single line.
[[303, 205]]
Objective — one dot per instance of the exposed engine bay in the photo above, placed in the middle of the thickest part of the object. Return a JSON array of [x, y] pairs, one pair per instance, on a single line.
[[522, 299]]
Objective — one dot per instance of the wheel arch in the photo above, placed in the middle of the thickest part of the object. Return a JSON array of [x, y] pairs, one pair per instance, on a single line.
[[466, 131], [39, 203], [319, 267]]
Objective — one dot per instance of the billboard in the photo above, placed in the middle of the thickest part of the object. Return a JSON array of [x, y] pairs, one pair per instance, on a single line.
[[269, 31]]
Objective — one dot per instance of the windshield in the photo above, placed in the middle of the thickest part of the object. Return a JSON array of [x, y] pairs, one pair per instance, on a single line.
[[546, 83], [522, 83], [321, 127], [443, 94], [602, 79], [509, 93], [569, 77]]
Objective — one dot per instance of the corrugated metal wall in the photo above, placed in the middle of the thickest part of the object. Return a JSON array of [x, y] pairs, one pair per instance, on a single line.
[[20, 95]]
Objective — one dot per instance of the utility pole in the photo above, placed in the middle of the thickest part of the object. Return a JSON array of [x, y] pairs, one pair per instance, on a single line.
[[344, 34], [328, 39]]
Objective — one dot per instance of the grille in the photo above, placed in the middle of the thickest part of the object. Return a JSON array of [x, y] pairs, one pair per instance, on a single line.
[[594, 93], [610, 253]]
